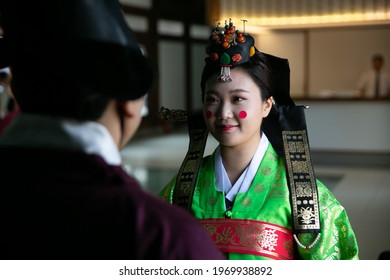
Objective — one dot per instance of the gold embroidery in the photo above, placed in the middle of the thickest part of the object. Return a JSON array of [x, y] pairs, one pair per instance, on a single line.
[[226, 236], [266, 171], [278, 175], [197, 191], [208, 183], [303, 189], [295, 147], [248, 235], [186, 179], [258, 188], [299, 166], [212, 201], [272, 157], [211, 229], [307, 215], [246, 202], [289, 247], [172, 114], [301, 181]]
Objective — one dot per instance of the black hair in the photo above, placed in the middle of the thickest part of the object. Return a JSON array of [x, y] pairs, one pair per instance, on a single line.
[[378, 56], [54, 89], [71, 102], [257, 68]]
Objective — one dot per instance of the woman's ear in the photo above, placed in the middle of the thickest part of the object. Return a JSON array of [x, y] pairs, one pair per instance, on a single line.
[[126, 108], [267, 106]]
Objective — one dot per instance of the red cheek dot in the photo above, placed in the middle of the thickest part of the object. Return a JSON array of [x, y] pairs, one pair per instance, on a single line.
[[242, 115], [209, 114]]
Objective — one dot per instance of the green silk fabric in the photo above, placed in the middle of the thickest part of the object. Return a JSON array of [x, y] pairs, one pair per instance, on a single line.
[[267, 200]]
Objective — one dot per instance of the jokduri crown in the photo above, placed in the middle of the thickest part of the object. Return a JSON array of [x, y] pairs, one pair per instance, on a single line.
[[229, 47]]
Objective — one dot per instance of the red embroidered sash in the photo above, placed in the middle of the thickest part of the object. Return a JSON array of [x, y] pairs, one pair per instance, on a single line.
[[251, 237]]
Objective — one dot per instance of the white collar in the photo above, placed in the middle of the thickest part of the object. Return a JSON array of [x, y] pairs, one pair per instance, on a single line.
[[42, 131], [244, 182]]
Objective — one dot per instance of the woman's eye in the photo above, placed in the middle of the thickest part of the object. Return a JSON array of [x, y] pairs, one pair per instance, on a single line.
[[238, 99], [211, 99]]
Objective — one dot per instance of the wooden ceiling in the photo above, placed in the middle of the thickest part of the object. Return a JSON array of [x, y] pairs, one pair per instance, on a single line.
[[302, 13]]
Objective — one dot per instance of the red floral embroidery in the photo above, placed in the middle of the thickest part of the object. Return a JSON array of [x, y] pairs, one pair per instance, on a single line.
[[236, 58], [214, 56]]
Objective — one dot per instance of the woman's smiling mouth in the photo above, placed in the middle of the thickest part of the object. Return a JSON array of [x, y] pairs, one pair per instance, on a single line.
[[226, 127]]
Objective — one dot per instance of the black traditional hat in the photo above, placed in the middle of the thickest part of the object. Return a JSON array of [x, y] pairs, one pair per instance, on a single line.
[[57, 48], [229, 47]]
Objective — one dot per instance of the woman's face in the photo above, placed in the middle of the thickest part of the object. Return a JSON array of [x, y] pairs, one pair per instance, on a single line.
[[234, 111]]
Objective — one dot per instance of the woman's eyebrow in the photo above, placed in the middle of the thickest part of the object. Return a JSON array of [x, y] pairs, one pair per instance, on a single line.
[[237, 90], [210, 91]]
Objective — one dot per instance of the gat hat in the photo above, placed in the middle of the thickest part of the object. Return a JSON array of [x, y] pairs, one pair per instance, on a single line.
[[56, 48]]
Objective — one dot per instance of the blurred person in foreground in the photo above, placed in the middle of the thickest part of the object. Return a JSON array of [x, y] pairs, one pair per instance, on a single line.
[[80, 80]]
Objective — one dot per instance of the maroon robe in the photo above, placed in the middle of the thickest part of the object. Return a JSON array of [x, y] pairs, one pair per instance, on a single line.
[[69, 205]]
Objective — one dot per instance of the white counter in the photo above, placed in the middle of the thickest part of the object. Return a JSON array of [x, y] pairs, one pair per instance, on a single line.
[[348, 125]]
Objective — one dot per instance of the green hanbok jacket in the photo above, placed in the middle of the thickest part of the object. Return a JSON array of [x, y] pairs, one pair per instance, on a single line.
[[259, 224]]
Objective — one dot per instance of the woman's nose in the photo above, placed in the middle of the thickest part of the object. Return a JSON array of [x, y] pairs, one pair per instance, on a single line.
[[225, 112]]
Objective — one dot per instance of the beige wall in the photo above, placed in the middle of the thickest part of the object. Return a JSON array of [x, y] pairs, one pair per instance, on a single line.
[[335, 57], [288, 45]]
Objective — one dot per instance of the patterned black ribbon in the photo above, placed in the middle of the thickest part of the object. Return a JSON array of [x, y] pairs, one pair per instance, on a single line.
[[302, 182], [188, 172]]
